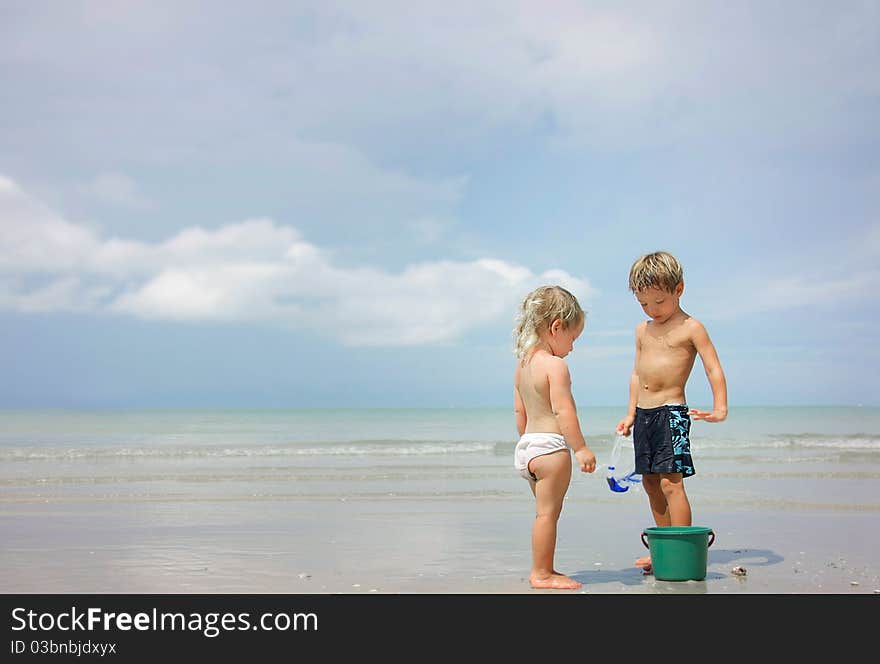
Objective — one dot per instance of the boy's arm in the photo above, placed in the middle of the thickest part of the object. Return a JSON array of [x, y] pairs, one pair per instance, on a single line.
[[562, 403], [714, 373], [624, 426]]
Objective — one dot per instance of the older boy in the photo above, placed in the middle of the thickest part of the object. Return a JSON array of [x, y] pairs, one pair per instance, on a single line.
[[666, 347]]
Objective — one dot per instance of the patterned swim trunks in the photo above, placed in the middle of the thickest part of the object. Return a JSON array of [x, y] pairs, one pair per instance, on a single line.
[[661, 437]]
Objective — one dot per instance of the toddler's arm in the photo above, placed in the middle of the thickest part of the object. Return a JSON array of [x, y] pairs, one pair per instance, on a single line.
[[562, 403], [519, 411], [519, 408]]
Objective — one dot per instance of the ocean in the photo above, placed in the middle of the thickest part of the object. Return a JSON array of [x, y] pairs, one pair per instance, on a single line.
[[761, 456]]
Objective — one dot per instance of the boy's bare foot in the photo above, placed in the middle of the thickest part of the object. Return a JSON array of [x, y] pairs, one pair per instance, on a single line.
[[645, 564], [555, 581]]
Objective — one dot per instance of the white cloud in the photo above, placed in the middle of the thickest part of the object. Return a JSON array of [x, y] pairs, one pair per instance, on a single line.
[[613, 74], [786, 292], [417, 75], [66, 293], [253, 270], [843, 272], [35, 239], [117, 189]]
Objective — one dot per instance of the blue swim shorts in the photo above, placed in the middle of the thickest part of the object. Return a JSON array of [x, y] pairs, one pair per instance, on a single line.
[[661, 437]]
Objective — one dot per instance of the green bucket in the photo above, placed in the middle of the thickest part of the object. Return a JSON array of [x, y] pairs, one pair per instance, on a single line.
[[678, 553]]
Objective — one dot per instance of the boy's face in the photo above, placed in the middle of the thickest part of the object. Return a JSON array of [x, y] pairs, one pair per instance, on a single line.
[[659, 304]]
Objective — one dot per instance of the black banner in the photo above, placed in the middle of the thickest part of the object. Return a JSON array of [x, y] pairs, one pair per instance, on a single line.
[[129, 628]]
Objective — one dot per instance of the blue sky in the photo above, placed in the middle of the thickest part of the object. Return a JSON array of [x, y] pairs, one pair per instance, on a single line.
[[320, 204]]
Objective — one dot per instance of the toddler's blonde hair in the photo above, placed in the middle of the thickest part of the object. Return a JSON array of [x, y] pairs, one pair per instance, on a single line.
[[657, 270], [538, 311]]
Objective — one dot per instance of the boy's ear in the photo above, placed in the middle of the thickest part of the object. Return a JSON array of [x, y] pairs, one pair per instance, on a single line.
[[679, 289]]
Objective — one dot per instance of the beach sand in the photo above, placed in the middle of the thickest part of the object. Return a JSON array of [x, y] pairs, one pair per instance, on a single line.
[[412, 544]]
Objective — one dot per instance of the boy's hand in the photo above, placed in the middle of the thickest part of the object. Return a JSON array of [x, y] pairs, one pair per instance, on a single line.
[[708, 415], [624, 426], [586, 459]]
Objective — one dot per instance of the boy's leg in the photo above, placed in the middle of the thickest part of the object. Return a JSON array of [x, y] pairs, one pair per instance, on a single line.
[[657, 498], [664, 441], [659, 510], [554, 475], [669, 504], [679, 507]]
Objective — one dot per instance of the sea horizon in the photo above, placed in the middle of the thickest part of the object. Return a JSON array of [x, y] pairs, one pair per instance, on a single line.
[[49, 407]]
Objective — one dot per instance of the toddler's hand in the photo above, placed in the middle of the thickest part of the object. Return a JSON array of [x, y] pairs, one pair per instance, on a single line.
[[586, 459], [624, 426]]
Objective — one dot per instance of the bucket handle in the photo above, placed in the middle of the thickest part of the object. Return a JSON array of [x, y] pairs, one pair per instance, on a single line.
[[711, 539]]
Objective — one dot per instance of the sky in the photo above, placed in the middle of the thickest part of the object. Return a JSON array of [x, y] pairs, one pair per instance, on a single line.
[[342, 204]]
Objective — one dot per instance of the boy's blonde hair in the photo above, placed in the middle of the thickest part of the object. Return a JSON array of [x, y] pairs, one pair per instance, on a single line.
[[538, 311], [658, 270]]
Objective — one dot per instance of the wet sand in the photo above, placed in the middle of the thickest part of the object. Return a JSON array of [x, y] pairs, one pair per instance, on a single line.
[[401, 544]]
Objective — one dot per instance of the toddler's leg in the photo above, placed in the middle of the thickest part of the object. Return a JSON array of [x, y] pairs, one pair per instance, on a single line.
[[554, 475]]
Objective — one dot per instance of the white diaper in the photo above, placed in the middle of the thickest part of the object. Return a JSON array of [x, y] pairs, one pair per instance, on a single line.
[[532, 445]]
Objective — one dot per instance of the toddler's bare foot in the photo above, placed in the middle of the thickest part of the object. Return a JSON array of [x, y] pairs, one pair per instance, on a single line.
[[555, 581], [645, 563]]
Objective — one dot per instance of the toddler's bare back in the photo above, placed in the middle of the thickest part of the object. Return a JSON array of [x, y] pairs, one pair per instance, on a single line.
[[533, 386]]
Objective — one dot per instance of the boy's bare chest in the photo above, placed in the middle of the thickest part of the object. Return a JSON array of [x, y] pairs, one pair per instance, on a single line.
[[671, 343]]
